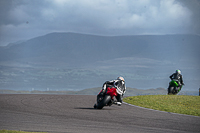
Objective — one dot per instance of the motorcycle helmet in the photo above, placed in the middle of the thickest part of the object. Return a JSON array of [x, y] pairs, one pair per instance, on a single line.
[[178, 71], [120, 78]]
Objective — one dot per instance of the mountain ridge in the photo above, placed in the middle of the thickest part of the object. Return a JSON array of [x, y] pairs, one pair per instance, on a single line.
[[57, 45], [87, 60]]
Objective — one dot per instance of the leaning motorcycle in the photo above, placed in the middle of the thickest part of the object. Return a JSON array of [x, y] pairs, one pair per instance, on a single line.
[[107, 99], [174, 87]]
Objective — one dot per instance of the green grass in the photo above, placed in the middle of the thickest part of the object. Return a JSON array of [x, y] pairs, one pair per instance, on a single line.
[[181, 104], [10, 131]]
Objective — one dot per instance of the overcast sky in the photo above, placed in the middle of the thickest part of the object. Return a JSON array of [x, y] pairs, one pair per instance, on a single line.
[[25, 19]]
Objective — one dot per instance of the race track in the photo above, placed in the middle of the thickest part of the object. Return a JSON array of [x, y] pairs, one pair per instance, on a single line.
[[75, 113]]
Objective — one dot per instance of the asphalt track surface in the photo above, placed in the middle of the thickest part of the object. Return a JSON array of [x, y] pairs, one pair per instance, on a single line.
[[75, 114]]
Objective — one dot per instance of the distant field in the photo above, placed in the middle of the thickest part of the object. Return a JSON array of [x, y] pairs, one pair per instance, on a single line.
[[95, 91], [10, 131], [181, 104]]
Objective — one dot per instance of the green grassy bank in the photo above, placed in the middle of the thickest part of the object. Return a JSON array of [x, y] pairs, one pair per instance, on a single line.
[[181, 104]]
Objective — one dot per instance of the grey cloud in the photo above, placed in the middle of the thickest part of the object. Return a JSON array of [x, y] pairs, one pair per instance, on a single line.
[[194, 7], [5, 7], [29, 18]]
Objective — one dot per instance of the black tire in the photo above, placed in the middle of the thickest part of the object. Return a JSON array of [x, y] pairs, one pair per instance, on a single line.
[[95, 106], [175, 91], [103, 102], [170, 90]]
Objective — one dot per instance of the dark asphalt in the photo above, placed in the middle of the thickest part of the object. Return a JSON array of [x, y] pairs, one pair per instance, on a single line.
[[75, 113]]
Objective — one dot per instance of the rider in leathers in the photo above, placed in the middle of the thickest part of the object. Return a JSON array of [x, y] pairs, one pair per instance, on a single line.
[[119, 83], [177, 76]]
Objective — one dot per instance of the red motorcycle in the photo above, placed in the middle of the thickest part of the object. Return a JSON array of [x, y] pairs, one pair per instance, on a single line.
[[107, 99]]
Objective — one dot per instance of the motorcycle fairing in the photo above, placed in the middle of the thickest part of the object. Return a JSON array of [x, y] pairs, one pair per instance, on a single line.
[[174, 83], [111, 91]]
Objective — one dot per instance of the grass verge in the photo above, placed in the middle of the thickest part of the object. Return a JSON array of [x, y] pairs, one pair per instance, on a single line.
[[181, 104], [11, 131]]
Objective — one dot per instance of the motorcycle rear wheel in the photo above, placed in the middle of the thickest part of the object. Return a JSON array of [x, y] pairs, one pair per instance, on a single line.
[[103, 102]]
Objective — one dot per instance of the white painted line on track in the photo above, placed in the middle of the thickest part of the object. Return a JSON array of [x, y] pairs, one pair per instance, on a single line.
[[159, 110]]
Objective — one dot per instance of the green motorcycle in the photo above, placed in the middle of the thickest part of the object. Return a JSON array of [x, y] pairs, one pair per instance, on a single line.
[[174, 87]]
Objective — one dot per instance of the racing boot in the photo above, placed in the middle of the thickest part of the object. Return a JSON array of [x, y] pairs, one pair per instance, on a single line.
[[117, 103]]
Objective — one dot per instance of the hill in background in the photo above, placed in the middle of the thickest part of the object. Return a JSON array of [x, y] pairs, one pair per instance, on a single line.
[[71, 61]]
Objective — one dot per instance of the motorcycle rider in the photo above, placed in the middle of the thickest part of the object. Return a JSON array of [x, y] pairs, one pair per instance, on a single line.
[[178, 77], [119, 83]]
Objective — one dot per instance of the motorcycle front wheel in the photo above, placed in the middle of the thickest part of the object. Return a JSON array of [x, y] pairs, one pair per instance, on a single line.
[[103, 102], [170, 90]]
